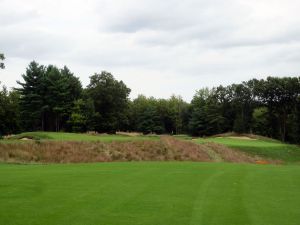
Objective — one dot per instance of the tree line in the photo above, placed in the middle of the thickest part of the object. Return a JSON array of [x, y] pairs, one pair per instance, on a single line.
[[53, 99]]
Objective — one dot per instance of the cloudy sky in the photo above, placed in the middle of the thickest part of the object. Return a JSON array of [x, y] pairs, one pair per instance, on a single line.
[[156, 47]]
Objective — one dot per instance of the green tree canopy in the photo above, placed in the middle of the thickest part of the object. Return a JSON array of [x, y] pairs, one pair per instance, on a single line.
[[111, 102], [9, 112], [47, 96]]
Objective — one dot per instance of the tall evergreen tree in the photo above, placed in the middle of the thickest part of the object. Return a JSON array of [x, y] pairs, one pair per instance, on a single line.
[[47, 97], [32, 93]]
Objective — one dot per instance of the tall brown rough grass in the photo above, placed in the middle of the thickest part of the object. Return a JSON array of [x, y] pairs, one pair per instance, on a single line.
[[165, 149]]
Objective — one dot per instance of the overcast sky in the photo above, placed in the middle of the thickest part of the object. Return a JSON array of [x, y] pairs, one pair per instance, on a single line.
[[157, 47]]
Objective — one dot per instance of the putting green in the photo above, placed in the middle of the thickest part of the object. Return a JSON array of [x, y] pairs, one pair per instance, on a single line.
[[150, 193]]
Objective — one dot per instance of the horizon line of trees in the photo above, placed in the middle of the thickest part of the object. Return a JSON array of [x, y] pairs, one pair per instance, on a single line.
[[53, 99]]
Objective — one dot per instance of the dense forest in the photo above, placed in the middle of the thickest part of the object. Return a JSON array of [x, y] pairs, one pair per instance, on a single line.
[[53, 99]]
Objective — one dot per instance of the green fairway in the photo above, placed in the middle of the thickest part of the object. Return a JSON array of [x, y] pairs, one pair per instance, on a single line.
[[149, 193], [61, 136], [266, 148]]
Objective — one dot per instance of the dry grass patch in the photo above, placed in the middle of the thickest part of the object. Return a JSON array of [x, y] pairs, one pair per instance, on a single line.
[[236, 156], [164, 149], [230, 155]]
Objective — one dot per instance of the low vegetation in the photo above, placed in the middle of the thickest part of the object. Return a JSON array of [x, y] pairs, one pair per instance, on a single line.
[[50, 147]]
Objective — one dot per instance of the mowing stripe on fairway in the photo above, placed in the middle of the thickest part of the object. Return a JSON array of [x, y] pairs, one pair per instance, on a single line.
[[149, 193]]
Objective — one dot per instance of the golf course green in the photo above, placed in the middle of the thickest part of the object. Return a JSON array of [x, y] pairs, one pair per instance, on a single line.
[[150, 193]]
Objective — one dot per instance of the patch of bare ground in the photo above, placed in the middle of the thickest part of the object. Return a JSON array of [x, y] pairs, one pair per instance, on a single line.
[[244, 136], [165, 149], [130, 134], [26, 139]]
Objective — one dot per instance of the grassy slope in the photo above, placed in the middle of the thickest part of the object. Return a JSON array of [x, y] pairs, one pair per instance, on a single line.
[[149, 193], [266, 148], [60, 136]]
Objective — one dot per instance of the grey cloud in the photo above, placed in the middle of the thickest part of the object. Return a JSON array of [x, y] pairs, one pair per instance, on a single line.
[[31, 43], [210, 23], [192, 43], [12, 17], [165, 15], [280, 38]]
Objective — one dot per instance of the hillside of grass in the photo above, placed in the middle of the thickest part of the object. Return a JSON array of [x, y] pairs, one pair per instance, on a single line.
[[61, 136], [268, 148], [40, 147], [149, 193], [165, 148]]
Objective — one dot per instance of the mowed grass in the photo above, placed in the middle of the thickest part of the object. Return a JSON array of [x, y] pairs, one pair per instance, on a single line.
[[266, 148], [149, 193], [61, 136]]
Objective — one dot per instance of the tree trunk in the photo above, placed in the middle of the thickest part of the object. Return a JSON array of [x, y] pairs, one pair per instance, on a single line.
[[56, 123], [283, 126], [43, 122]]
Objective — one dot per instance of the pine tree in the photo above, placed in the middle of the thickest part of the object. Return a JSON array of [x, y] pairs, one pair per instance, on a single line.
[[32, 93]]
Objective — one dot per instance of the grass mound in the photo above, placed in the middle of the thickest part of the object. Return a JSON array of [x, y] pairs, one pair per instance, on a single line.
[[164, 149], [243, 136], [61, 136], [262, 147], [149, 193], [31, 136], [251, 148]]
